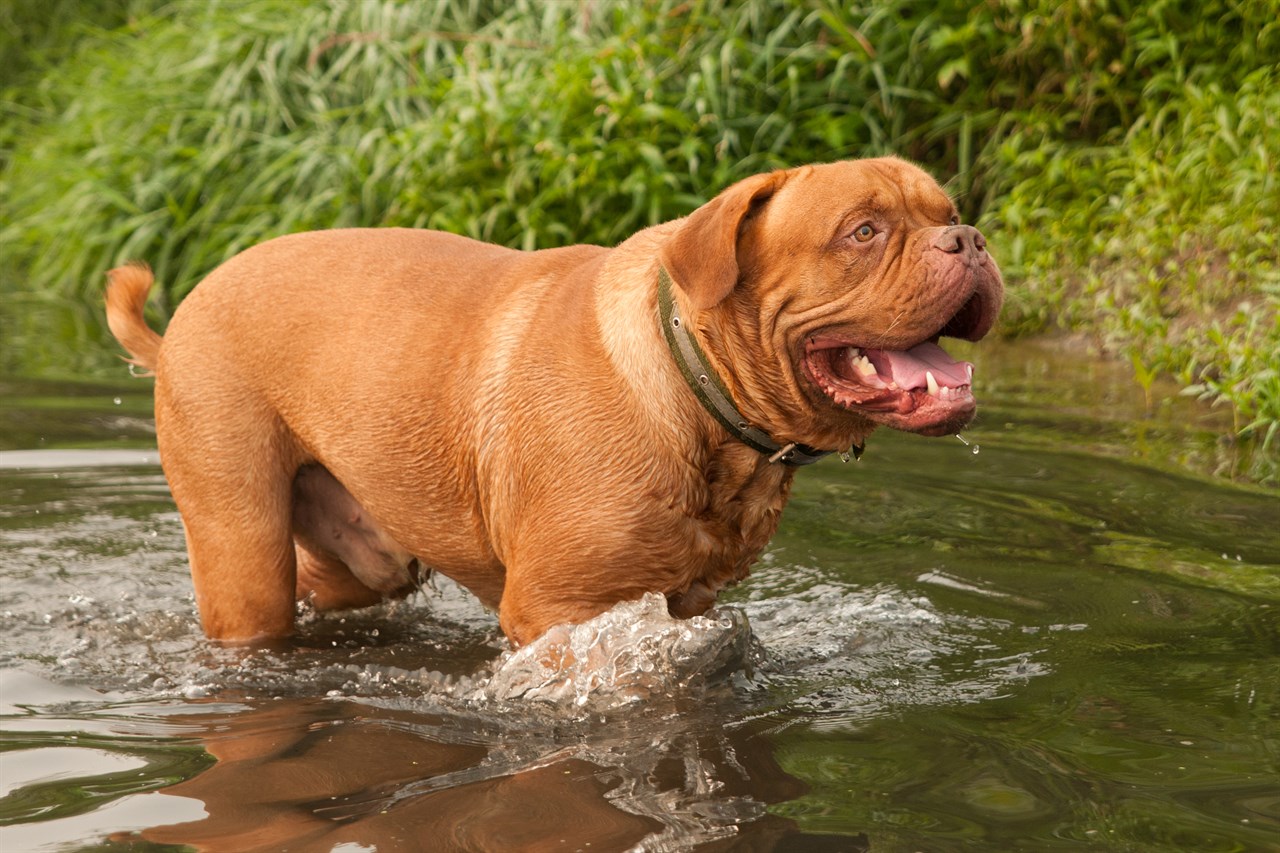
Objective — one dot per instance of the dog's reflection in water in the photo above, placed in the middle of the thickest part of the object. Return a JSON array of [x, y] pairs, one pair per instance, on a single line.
[[313, 774]]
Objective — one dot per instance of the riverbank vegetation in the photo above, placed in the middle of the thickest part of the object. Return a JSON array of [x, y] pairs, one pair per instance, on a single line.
[[1121, 156]]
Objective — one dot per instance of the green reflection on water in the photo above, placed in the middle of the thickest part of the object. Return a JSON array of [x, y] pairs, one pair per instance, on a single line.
[[164, 763], [1148, 586]]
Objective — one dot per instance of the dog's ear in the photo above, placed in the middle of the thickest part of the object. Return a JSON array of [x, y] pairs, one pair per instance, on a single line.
[[702, 254]]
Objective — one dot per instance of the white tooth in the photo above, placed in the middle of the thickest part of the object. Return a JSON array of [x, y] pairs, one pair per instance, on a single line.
[[865, 367], [933, 383], [970, 366]]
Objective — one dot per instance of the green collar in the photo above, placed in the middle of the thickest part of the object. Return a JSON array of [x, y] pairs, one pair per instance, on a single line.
[[711, 391]]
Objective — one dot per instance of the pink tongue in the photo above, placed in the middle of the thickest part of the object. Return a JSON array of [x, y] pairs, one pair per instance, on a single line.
[[907, 368]]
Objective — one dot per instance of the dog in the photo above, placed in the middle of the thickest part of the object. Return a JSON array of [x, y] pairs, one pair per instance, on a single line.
[[341, 412]]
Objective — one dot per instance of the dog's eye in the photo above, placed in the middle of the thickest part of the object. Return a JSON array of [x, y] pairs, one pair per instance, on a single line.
[[864, 233], [955, 219]]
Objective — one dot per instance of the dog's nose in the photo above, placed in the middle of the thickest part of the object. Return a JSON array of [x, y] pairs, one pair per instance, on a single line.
[[962, 240]]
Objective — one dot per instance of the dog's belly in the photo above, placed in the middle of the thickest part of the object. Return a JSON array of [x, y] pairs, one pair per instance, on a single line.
[[327, 520]]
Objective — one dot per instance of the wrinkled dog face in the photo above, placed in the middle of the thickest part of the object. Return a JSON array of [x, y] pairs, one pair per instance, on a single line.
[[877, 268]]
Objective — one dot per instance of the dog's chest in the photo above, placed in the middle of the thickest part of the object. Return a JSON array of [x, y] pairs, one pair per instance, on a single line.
[[734, 511]]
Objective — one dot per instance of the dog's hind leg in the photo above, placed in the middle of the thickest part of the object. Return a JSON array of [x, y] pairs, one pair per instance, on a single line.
[[230, 466]]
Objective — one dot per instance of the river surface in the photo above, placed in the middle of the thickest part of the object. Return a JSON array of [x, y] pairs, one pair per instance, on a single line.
[[1060, 631]]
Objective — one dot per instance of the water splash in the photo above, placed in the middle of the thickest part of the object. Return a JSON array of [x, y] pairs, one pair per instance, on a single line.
[[632, 652]]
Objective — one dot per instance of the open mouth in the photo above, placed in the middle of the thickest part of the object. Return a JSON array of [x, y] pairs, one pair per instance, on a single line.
[[921, 389], [906, 382]]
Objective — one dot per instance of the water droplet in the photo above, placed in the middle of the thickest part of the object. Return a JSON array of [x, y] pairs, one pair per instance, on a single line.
[[976, 448], [962, 439], [116, 400]]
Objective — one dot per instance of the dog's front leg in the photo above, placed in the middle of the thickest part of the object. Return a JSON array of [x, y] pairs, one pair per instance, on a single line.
[[539, 596]]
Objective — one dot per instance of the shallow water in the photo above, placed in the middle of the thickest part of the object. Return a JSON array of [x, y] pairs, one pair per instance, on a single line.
[[1068, 639]]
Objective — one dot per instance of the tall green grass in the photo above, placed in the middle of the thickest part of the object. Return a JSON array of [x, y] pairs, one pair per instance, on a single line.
[[1165, 245], [1122, 155]]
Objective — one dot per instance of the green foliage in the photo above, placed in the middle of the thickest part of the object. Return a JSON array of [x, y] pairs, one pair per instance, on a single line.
[[1120, 154], [1165, 245], [36, 34]]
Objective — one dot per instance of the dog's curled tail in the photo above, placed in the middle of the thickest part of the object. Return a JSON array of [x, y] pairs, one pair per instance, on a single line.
[[127, 290]]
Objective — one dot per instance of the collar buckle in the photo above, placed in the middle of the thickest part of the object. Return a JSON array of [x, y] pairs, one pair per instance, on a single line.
[[784, 453]]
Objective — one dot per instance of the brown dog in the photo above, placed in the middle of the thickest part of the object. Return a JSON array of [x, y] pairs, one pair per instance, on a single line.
[[340, 412]]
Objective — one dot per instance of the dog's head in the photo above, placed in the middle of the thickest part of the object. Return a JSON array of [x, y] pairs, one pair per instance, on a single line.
[[822, 293]]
